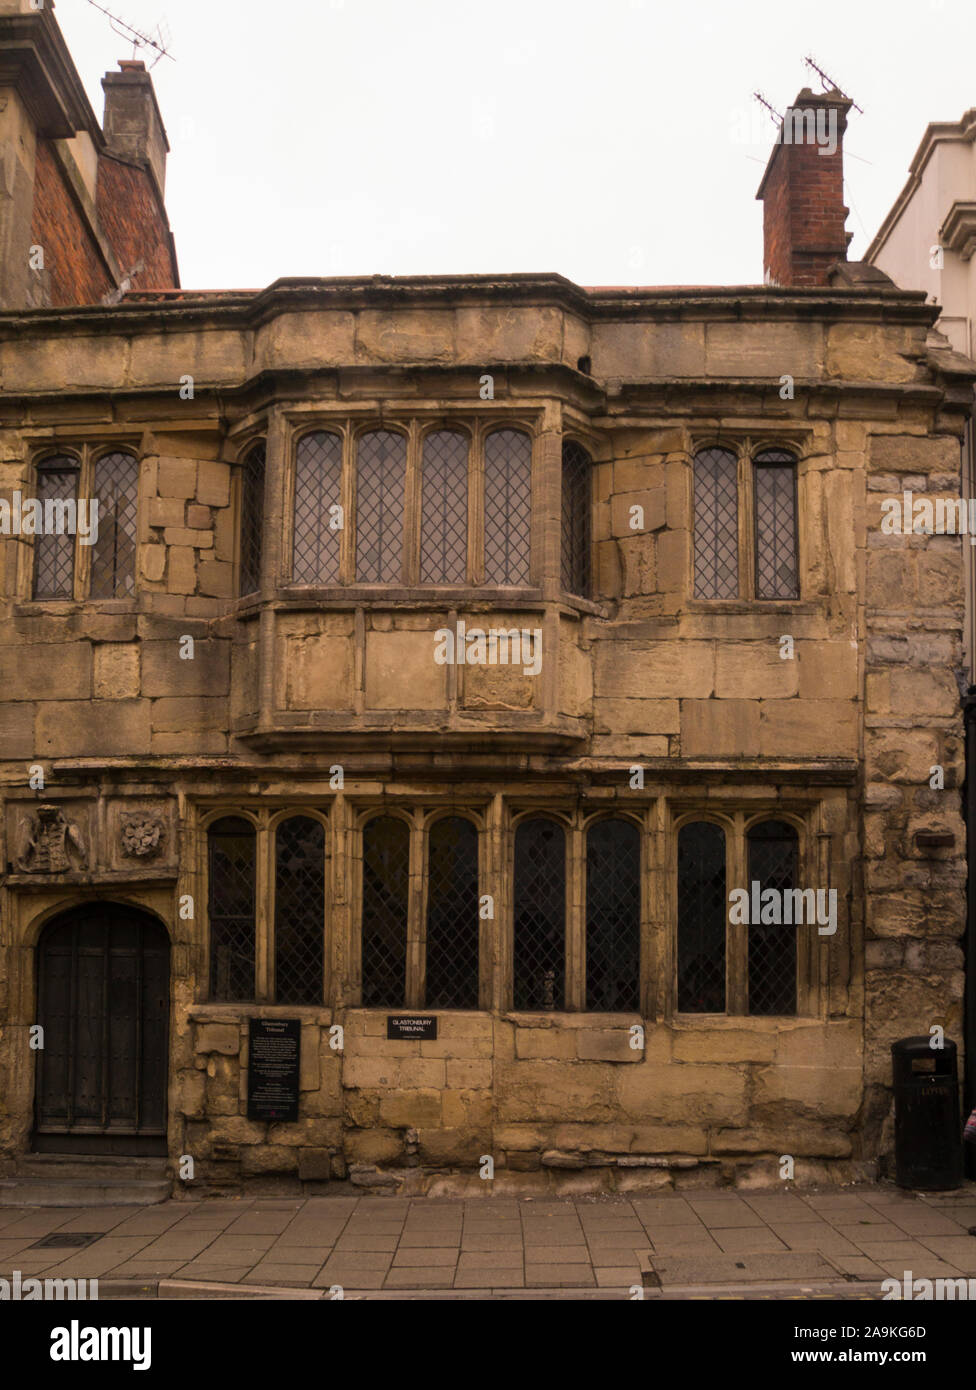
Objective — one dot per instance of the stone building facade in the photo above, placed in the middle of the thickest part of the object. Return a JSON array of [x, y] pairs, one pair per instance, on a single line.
[[246, 774]]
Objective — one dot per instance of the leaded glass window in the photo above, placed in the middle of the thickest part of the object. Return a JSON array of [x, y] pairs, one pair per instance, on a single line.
[[716, 524], [776, 525], [380, 479], [386, 866], [702, 917], [508, 506], [113, 570], [444, 509], [613, 916], [299, 910], [318, 491], [54, 551], [575, 558], [540, 915], [452, 915], [252, 518], [773, 858], [231, 845]]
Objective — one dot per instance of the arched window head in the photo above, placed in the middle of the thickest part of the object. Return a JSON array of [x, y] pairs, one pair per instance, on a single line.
[[452, 915], [716, 524], [113, 567], [380, 479], [444, 509], [252, 518], [54, 547], [539, 892], [231, 846], [613, 916], [773, 861], [386, 866], [576, 486], [299, 919], [508, 507], [318, 508], [702, 917], [777, 573]]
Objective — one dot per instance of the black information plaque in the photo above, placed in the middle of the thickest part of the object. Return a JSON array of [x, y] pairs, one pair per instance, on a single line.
[[411, 1026], [273, 1057]]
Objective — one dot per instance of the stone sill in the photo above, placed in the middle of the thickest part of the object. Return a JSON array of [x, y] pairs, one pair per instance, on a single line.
[[240, 1013]]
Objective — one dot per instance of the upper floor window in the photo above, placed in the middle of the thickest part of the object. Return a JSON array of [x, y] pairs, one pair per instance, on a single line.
[[113, 566], [576, 508], [252, 518], [54, 549], [508, 506], [444, 509], [414, 492], [723, 495], [774, 475], [318, 508], [380, 480], [85, 543]]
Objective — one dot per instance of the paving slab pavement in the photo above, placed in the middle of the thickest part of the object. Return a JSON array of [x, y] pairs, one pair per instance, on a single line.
[[671, 1245]]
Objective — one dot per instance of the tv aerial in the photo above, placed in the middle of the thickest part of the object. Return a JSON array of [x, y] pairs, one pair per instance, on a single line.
[[830, 85], [158, 40]]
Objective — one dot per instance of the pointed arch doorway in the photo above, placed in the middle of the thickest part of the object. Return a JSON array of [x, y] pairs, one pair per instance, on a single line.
[[103, 1002]]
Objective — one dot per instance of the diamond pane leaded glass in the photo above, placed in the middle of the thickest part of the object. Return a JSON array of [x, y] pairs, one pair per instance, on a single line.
[[299, 910], [452, 915], [775, 499], [508, 507], [613, 916], [386, 865], [772, 948], [575, 565], [444, 509], [232, 861], [380, 475], [716, 524], [113, 571], [252, 519], [318, 482], [702, 915], [540, 915], [54, 553]]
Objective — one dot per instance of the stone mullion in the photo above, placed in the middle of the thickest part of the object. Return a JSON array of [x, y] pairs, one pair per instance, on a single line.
[[82, 562], [546, 506], [575, 986], [347, 497], [736, 934], [658, 914], [414, 984], [263, 912]]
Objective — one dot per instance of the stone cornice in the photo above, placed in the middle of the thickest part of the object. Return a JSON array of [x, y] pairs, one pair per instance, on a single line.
[[35, 61]]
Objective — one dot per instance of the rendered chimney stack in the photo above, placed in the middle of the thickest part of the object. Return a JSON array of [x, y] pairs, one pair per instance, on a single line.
[[133, 127], [802, 192]]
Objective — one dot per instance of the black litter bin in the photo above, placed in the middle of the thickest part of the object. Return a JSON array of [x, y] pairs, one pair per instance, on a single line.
[[928, 1125]]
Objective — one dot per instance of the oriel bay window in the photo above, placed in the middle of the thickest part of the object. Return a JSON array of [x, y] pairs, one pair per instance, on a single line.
[[411, 504], [420, 951]]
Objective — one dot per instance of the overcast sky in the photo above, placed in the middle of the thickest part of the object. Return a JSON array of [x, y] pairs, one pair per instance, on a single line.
[[615, 142]]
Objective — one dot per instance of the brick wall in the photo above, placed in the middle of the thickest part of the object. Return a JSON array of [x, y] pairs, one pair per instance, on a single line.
[[74, 271], [131, 218]]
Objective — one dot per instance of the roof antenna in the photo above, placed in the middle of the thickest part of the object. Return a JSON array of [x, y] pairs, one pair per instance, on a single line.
[[830, 85], [774, 115], [159, 39]]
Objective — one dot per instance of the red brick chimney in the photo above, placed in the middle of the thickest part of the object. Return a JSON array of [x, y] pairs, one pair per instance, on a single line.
[[802, 192]]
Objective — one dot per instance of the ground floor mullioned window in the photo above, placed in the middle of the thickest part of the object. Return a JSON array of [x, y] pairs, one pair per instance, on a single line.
[[572, 910]]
